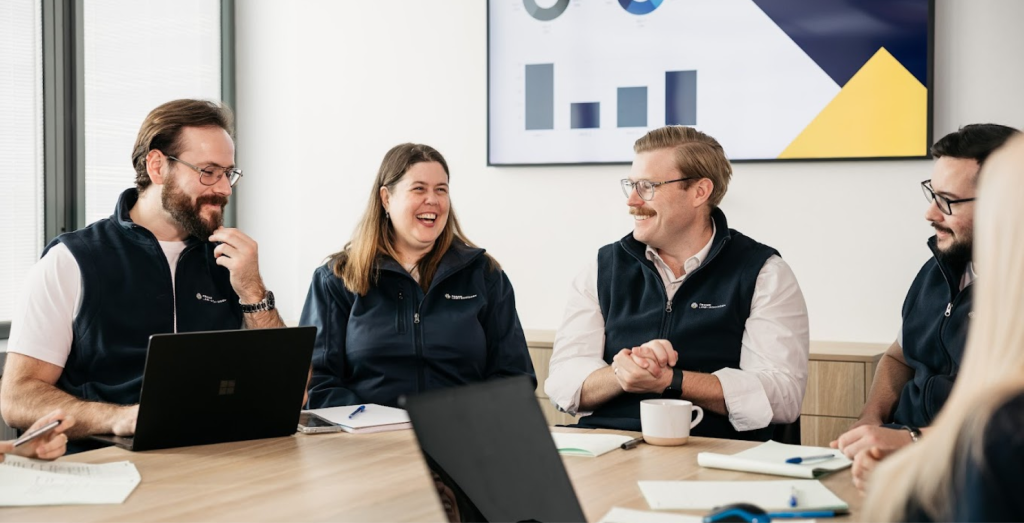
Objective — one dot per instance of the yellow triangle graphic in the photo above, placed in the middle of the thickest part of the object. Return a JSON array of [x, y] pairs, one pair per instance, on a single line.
[[881, 111]]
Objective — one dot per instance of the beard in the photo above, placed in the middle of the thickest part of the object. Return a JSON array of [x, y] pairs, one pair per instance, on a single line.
[[186, 213], [958, 254]]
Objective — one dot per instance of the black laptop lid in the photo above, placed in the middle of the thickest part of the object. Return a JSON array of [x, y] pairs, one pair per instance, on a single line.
[[212, 387], [492, 440]]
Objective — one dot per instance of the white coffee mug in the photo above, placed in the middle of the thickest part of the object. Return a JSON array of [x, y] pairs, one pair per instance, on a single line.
[[668, 421]]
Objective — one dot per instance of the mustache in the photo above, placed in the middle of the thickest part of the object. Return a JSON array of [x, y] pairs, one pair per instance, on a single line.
[[938, 227], [214, 199], [641, 211]]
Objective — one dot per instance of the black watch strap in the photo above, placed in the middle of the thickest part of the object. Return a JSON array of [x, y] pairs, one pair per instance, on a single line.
[[915, 433], [675, 389]]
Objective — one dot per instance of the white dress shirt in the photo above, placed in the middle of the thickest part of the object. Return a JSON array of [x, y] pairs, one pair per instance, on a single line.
[[767, 388]]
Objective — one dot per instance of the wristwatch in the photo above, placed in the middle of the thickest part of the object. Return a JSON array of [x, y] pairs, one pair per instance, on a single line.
[[915, 433], [267, 304], [674, 389]]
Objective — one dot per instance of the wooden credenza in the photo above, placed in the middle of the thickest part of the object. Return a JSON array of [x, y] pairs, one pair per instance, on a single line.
[[839, 377]]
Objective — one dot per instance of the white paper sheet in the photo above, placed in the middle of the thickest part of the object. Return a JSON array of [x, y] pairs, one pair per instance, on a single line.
[[628, 515], [25, 482], [769, 495]]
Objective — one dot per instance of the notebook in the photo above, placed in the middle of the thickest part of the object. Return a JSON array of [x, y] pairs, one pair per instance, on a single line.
[[770, 495], [491, 440], [211, 387], [587, 445], [770, 458], [373, 418]]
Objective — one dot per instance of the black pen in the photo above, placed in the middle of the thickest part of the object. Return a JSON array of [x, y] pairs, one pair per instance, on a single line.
[[631, 444]]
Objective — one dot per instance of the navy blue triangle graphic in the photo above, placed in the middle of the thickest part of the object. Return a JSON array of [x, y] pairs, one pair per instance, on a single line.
[[841, 35]]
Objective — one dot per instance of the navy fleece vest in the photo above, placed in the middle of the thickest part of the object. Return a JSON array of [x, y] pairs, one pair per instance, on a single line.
[[935, 321], [127, 296], [704, 321]]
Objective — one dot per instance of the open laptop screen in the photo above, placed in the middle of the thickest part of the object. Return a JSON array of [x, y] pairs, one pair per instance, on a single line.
[[492, 441]]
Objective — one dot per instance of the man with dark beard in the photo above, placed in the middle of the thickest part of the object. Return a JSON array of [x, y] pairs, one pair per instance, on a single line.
[[916, 373], [161, 263]]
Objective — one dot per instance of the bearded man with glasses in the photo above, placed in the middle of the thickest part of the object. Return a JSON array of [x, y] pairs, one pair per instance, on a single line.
[[163, 262], [915, 375], [683, 307]]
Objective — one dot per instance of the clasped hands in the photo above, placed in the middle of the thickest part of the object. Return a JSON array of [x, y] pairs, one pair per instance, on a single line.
[[647, 368]]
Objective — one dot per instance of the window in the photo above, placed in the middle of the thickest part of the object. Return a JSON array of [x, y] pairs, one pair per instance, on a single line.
[[21, 147], [139, 55]]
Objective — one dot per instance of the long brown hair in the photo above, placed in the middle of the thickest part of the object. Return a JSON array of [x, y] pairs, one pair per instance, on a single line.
[[357, 263]]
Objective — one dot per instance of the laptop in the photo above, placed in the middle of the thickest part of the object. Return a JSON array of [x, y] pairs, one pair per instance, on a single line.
[[212, 387], [491, 442]]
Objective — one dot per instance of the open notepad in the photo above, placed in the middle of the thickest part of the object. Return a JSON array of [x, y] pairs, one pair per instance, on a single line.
[[589, 445], [374, 418], [769, 495], [26, 482], [770, 458]]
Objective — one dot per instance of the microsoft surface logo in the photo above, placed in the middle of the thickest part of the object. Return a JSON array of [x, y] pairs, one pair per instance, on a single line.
[[227, 387]]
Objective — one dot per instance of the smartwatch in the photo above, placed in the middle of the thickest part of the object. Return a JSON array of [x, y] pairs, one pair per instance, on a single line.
[[674, 389], [915, 433], [267, 304]]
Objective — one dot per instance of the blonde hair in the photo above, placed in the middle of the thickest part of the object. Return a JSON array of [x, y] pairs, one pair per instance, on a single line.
[[357, 263], [993, 367], [697, 155]]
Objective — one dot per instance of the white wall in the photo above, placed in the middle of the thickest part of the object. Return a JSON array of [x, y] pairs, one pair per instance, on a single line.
[[325, 88]]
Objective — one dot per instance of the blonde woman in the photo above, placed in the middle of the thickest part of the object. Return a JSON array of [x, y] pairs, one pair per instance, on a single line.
[[410, 304], [968, 468]]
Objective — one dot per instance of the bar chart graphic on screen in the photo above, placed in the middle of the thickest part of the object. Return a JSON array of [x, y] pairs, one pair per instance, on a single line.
[[573, 81]]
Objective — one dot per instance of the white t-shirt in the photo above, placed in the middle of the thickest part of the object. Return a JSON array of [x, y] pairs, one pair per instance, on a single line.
[[50, 301]]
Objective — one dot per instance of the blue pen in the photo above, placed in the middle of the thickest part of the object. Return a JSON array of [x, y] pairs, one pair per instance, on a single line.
[[810, 458], [792, 497], [808, 514], [357, 411]]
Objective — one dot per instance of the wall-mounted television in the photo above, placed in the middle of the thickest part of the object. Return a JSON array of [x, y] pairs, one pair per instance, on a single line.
[[578, 81]]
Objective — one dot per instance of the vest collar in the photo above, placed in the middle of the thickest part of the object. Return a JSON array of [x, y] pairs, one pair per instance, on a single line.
[[722, 235], [952, 279], [137, 233]]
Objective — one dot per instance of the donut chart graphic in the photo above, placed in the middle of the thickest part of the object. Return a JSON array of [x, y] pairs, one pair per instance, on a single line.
[[547, 14], [640, 7]]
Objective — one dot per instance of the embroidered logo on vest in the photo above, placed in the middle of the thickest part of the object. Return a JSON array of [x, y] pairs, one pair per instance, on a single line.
[[209, 299], [459, 297], [696, 305]]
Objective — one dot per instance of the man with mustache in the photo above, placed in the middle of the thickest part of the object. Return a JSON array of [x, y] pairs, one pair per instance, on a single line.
[[683, 307], [916, 373], [161, 263]]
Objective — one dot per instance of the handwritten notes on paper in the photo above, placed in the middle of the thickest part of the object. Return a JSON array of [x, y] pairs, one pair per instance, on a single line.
[[25, 482]]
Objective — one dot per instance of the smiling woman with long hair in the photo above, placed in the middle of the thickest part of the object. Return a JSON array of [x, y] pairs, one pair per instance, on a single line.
[[968, 467], [410, 304]]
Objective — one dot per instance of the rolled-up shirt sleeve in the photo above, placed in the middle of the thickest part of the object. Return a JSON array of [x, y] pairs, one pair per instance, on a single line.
[[579, 344], [769, 385]]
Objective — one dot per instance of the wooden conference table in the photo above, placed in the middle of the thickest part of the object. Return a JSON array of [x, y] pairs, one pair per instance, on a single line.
[[359, 477]]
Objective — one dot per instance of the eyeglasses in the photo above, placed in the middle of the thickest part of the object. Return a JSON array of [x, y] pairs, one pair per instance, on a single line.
[[645, 188], [941, 201], [211, 177]]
